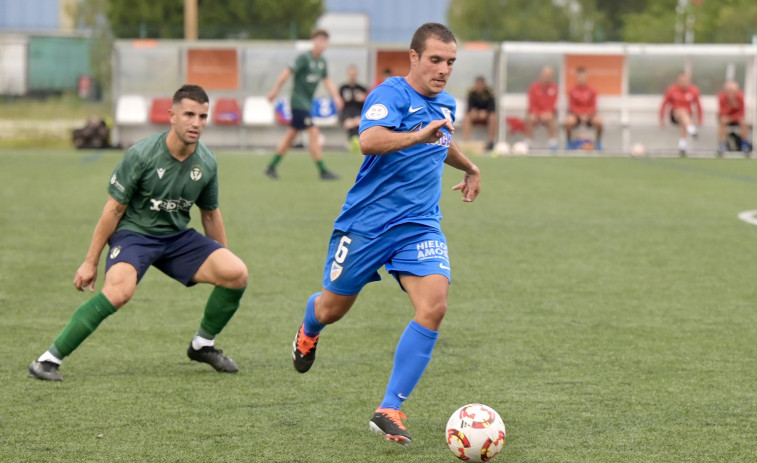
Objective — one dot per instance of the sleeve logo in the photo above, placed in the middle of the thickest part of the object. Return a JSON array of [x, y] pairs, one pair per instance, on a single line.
[[376, 112]]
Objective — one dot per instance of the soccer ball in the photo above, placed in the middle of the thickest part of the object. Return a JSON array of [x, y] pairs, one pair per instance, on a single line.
[[520, 148], [475, 433], [501, 149], [637, 150]]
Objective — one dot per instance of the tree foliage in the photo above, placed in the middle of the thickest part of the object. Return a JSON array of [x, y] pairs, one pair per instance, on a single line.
[[217, 19], [651, 21], [725, 21]]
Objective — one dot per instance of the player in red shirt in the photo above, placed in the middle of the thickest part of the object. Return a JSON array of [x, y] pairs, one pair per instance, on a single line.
[[542, 98], [731, 112], [682, 97], [582, 108]]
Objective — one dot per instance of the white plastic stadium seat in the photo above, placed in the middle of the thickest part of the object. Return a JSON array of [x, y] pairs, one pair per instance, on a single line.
[[131, 110], [258, 111]]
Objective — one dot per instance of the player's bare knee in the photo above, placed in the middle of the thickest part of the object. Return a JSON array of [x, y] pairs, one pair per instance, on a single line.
[[118, 296], [234, 274], [238, 276]]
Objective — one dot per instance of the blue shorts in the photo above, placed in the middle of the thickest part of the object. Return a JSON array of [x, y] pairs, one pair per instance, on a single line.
[[179, 255], [301, 119], [353, 260]]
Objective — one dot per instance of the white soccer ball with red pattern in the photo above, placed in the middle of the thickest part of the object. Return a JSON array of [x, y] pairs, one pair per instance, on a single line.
[[475, 433]]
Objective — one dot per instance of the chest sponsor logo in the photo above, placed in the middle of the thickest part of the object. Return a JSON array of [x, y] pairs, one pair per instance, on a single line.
[[336, 270], [196, 173], [376, 112], [115, 252], [171, 205], [445, 140], [161, 171]]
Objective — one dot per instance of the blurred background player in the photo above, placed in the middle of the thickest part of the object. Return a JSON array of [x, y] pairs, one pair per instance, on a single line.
[[353, 95], [683, 98], [391, 218], [731, 113], [542, 101], [481, 111], [145, 224], [308, 69], [582, 109]]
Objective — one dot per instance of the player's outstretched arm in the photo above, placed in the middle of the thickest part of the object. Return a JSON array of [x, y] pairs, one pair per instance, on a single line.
[[279, 83], [212, 223], [471, 184], [379, 140], [86, 275]]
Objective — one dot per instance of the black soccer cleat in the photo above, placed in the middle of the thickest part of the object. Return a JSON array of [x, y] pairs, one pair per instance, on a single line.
[[47, 371], [388, 421], [303, 350], [213, 357], [328, 175], [270, 172]]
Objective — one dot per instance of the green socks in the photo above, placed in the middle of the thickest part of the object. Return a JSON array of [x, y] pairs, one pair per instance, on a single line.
[[222, 304], [83, 322], [275, 161]]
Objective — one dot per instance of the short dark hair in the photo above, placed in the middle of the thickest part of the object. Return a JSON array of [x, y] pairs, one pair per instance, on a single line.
[[423, 33], [319, 33], [190, 92]]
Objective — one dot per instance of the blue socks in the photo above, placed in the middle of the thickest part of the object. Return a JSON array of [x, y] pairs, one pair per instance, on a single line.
[[312, 327], [410, 360]]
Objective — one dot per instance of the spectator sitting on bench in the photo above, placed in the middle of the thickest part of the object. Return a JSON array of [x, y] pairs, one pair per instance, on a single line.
[[582, 109], [481, 111], [95, 134], [731, 113], [682, 96], [542, 98]]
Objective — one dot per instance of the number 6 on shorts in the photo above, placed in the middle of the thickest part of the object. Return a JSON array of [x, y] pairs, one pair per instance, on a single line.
[[342, 250]]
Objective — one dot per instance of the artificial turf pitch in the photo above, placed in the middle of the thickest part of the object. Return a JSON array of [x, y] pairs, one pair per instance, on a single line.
[[604, 307]]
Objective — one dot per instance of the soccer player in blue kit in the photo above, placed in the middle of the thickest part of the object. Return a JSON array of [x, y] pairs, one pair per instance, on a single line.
[[391, 217]]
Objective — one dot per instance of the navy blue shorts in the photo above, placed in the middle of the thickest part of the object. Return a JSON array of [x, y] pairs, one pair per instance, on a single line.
[[353, 260], [179, 255], [301, 119]]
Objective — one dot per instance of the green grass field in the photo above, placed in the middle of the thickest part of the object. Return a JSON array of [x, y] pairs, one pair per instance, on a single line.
[[605, 308]]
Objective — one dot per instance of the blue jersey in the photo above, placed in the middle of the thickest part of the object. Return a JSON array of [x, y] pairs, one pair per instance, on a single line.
[[403, 186]]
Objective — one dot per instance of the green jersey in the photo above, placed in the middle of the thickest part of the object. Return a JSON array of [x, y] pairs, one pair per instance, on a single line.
[[308, 71], [159, 190]]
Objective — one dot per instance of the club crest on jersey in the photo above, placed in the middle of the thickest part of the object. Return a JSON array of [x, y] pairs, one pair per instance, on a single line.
[[447, 113], [161, 171], [336, 270], [376, 112], [115, 252], [196, 173]]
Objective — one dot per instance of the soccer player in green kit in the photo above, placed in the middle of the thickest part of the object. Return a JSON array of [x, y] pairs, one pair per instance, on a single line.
[[308, 69], [145, 223]]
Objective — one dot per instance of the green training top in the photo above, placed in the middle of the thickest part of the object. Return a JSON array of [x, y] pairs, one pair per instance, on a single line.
[[308, 71], [159, 190]]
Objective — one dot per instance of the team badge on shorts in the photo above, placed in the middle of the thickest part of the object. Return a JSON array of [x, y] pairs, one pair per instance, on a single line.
[[336, 270], [115, 252]]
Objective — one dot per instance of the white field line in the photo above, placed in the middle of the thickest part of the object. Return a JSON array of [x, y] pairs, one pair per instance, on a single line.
[[749, 217]]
